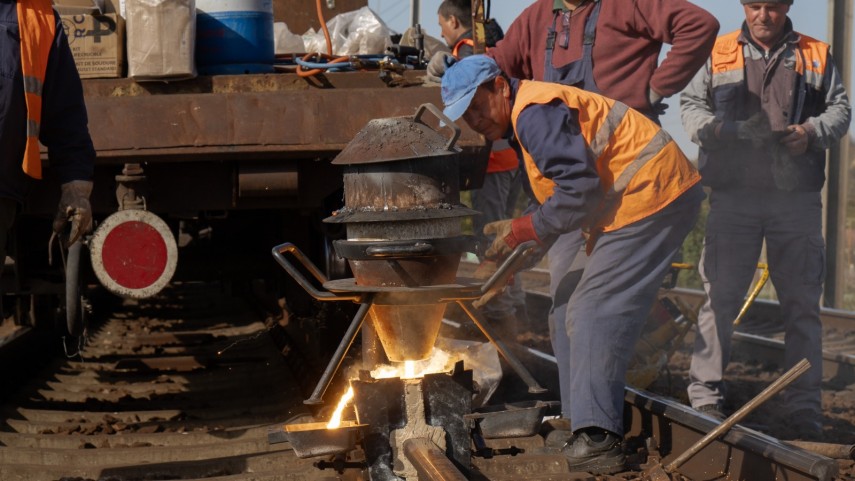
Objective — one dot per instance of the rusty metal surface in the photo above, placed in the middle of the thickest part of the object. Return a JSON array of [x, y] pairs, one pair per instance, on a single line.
[[314, 439], [430, 462], [512, 420], [241, 115], [276, 82], [429, 184], [406, 272], [268, 181], [395, 138]]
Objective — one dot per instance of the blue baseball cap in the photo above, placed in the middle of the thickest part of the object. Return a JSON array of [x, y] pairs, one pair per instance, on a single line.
[[462, 79]]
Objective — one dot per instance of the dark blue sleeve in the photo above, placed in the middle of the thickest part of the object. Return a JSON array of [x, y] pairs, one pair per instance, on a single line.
[[64, 127], [551, 134]]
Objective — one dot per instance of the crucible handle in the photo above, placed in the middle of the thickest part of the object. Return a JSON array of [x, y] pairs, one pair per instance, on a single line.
[[455, 129], [418, 248], [511, 265], [279, 254]]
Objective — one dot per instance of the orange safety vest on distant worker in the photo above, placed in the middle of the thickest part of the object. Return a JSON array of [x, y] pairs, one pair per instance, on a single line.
[[502, 157], [728, 60], [641, 168], [37, 27]]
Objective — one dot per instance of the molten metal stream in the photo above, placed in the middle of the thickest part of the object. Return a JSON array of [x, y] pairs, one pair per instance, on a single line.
[[335, 420]]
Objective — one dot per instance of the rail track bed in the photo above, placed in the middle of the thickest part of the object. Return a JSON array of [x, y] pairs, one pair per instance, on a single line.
[[193, 385], [179, 387]]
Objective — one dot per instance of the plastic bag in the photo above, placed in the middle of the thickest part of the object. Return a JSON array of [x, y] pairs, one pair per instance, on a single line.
[[360, 32], [286, 41]]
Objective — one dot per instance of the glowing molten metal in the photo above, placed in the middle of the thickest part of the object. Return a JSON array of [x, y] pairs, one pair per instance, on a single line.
[[335, 420]]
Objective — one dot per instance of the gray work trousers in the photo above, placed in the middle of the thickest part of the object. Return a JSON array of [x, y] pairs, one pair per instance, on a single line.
[[738, 223], [608, 309], [496, 200], [567, 259], [8, 211]]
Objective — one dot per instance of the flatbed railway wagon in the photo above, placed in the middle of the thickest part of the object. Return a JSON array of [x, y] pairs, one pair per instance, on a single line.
[[197, 179]]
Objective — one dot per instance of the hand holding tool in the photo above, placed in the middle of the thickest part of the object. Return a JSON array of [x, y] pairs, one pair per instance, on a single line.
[[74, 207], [509, 234]]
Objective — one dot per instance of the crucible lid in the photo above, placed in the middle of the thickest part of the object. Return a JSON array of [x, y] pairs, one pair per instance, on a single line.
[[399, 138]]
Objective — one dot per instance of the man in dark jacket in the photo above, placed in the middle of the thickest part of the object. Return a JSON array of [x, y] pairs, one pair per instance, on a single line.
[[762, 154], [41, 100]]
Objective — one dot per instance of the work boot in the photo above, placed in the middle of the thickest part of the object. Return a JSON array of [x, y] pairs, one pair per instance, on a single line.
[[595, 451], [807, 425], [712, 410]]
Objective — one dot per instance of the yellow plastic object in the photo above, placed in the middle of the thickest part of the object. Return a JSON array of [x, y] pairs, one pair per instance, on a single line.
[[764, 276]]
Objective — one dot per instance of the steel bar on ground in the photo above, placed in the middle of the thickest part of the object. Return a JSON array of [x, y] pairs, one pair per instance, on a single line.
[[430, 462], [516, 365], [734, 418]]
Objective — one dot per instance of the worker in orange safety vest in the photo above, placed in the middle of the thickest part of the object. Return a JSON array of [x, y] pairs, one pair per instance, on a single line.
[[41, 100], [597, 165]]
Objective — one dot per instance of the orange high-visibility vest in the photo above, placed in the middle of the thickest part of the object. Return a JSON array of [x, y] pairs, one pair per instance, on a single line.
[[460, 43], [37, 27], [728, 60], [641, 168]]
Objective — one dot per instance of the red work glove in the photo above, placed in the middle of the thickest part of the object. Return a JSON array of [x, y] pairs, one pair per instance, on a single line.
[[509, 234]]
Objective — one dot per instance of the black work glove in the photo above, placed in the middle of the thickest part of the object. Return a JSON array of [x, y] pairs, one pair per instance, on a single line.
[[657, 102], [74, 207], [755, 129]]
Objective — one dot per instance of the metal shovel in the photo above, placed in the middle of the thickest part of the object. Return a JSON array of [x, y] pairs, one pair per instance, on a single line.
[[662, 473]]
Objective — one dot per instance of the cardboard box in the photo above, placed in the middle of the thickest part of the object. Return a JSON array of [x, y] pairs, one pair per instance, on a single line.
[[161, 39], [97, 41]]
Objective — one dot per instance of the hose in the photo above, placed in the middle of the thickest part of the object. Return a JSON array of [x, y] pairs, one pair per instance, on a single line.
[[318, 65], [329, 55]]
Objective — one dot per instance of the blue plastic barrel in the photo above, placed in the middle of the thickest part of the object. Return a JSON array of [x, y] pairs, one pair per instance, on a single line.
[[234, 36]]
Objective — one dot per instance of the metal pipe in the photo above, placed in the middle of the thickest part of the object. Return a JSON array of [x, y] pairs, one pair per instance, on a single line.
[[430, 462], [800, 368], [264, 181], [415, 7], [338, 357], [278, 254], [513, 263], [516, 365]]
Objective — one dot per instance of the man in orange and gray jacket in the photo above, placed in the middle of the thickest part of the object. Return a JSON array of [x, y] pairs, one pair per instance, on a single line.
[[763, 110], [597, 165], [41, 100]]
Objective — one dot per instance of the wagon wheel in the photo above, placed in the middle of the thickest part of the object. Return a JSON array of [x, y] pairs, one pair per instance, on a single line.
[[75, 307]]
